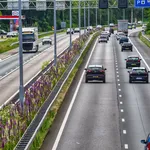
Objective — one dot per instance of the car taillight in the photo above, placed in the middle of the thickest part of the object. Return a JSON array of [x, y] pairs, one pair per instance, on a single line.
[[89, 70], [102, 71], [127, 60], [139, 60]]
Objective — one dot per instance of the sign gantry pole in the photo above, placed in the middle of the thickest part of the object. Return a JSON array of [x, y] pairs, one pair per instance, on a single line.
[[55, 42]]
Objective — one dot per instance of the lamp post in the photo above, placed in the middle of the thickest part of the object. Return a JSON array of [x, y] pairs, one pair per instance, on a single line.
[[84, 19], [70, 25], [79, 19], [21, 86], [55, 42]]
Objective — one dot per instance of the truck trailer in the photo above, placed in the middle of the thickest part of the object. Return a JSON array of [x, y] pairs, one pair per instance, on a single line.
[[123, 26], [30, 39]]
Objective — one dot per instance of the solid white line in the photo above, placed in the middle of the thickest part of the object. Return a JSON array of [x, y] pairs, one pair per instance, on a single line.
[[140, 55], [124, 132], [123, 120], [71, 104], [122, 110], [126, 146]]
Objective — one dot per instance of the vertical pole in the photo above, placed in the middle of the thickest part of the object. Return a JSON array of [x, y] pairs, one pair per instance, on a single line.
[[142, 14], [96, 17], [84, 19], [55, 46], [70, 25], [63, 15], [124, 14], [88, 14], [108, 15], [100, 16], [79, 19], [131, 15], [21, 87]]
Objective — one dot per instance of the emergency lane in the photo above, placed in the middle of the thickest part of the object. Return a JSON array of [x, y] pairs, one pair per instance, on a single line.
[[10, 84], [92, 123], [133, 98]]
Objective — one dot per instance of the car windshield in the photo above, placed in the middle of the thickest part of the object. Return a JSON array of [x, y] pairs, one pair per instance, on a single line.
[[28, 37], [139, 70], [103, 37]]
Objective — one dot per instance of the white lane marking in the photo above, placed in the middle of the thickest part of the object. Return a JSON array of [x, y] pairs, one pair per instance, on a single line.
[[121, 103], [116, 63], [126, 146], [120, 95], [117, 72], [140, 55], [124, 132], [116, 68], [118, 80], [118, 76], [123, 120], [119, 89], [71, 104], [122, 110], [118, 84]]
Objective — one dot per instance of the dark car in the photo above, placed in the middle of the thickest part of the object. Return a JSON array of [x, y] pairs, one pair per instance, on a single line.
[[123, 39], [95, 72], [70, 31], [111, 30], [138, 74], [103, 38], [146, 142], [133, 61], [126, 46], [119, 35]]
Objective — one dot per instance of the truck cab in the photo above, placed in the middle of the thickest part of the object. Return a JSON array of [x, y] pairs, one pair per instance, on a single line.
[[30, 39]]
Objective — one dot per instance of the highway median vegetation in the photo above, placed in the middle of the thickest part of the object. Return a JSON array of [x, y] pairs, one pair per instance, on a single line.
[[14, 121], [144, 40]]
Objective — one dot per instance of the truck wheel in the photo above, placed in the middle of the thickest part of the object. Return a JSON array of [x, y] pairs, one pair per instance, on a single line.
[[37, 48]]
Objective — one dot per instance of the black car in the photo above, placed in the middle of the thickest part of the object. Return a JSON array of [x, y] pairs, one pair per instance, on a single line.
[[95, 72], [126, 46], [138, 74], [133, 61], [123, 39], [146, 142]]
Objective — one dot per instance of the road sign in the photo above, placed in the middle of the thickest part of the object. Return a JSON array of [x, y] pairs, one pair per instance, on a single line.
[[60, 5], [63, 25], [15, 13], [141, 3], [41, 5]]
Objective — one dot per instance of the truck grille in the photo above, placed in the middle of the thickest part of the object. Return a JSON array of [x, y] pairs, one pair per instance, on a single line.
[[27, 46]]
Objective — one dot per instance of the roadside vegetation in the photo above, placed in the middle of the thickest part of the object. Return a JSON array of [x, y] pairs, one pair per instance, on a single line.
[[144, 40]]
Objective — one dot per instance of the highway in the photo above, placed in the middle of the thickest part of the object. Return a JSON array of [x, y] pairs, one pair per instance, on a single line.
[[102, 116], [9, 82]]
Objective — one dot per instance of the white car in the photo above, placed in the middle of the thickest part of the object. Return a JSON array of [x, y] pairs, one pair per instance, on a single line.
[[76, 30], [89, 28], [98, 26], [12, 34], [47, 40]]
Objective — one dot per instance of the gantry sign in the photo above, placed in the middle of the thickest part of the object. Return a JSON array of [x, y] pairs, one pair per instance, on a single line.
[[60, 4]]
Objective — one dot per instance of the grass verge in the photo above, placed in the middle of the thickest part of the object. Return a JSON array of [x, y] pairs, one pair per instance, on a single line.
[[41, 134], [143, 39]]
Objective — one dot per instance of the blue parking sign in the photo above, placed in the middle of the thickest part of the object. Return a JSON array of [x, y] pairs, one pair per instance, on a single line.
[[142, 3]]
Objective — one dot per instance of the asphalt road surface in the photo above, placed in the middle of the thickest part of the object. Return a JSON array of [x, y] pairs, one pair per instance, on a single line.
[[102, 116], [33, 62]]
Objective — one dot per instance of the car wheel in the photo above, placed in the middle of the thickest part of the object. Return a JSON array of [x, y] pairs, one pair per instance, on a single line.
[[122, 50], [106, 41], [86, 80], [127, 66], [131, 50], [147, 80], [130, 81], [104, 81], [42, 43]]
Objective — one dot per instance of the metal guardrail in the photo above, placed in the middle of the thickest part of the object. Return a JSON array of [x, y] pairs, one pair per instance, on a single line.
[[30, 133]]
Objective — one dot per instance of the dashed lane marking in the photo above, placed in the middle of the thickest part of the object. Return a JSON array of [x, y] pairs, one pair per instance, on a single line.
[[118, 84], [123, 120], [124, 132], [126, 146], [118, 80], [119, 89], [120, 95], [121, 103], [122, 110]]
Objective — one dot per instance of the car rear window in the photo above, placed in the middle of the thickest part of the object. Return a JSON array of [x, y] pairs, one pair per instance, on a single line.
[[133, 58], [139, 70], [95, 68]]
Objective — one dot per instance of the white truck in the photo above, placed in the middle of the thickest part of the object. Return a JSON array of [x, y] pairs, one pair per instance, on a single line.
[[30, 39], [123, 26]]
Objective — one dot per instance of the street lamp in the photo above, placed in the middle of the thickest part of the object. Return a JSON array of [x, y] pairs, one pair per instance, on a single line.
[[70, 25], [55, 46]]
